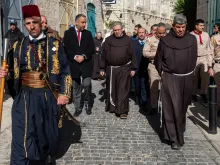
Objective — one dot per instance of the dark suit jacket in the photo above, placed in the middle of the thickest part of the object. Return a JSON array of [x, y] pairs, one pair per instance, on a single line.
[[142, 62], [85, 48]]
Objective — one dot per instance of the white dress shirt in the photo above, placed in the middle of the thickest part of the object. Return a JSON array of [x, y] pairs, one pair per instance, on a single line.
[[77, 34], [79, 42], [41, 36]]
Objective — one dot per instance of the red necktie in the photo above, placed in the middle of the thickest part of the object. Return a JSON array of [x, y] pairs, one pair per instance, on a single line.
[[200, 36], [78, 35]]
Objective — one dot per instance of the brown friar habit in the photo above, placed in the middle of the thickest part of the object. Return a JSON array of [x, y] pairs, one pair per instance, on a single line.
[[117, 60], [96, 58], [176, 59]]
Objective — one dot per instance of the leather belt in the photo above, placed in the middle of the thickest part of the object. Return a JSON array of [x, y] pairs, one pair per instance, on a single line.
[[217, 61], [32, 80]]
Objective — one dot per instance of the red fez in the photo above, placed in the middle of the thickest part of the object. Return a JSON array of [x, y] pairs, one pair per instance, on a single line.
[[30, 11]]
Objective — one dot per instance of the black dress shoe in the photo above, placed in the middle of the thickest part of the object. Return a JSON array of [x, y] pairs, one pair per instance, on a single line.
[[88, 110], [137, 100], [77, 113], [51, 160], [175, 146], [204, 98]]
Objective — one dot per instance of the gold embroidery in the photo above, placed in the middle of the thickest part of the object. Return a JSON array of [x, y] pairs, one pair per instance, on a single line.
[[67, 85], [15, 45], [47, 52], [55, 59], [16, 69], [25, 128], [40, 52], [29, 58]]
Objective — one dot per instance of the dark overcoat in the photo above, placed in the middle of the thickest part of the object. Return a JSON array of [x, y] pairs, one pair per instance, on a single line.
[[73, 48]]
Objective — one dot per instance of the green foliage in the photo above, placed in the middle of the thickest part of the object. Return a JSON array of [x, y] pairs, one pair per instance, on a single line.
[[185, 7], [110, 23], [179, 7]]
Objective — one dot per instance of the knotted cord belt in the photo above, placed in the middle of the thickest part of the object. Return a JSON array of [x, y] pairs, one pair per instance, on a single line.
[[32, 79]]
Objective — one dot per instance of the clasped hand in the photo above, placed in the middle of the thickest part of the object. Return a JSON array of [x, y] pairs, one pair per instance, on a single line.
[[79, 58], [62, 100]]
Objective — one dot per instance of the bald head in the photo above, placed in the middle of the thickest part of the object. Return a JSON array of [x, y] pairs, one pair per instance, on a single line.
[[142, 33], [44, 22], [161, 30]]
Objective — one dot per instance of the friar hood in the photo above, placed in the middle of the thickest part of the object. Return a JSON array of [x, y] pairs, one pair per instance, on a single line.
[[175, 42], [122, 41]]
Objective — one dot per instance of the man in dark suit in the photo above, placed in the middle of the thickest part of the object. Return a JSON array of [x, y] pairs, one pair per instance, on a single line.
[[79, 47], [142, 63]]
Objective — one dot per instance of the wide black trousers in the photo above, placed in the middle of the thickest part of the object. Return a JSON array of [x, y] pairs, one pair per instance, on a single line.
[[176, 96], [35, 118]]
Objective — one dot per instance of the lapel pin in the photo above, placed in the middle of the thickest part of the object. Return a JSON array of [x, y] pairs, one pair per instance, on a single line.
[[54, 48]]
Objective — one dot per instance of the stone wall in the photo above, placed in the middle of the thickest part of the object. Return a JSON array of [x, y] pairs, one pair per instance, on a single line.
[[50, 8], [202, 9], [99, 18], [98, 9], [140, 12]]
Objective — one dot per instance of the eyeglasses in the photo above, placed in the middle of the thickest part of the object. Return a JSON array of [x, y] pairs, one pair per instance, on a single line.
[[116, 30]]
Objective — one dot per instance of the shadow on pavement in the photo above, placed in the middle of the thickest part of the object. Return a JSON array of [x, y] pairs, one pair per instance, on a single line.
[[6, 97], [93, 96], [102, 92], [198, 122], [201, 116], [154, 121], [70, 133]]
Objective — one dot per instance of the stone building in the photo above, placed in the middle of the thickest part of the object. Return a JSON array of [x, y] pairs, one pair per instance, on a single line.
[[144, 12], [93, 10], [209, 10], [60, 13]]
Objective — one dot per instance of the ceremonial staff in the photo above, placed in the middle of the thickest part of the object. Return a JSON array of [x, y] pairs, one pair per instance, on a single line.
[[2, 87]]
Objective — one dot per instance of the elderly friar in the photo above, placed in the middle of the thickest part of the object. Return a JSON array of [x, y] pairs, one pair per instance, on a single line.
[[118, 61], [35, 112], [175, 60]]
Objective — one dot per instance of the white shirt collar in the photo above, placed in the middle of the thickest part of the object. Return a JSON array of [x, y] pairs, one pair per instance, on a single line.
[[76, 29], [41, 36]]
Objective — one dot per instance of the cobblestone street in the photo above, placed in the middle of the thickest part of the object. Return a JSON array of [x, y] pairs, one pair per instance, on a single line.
[[105, 139]]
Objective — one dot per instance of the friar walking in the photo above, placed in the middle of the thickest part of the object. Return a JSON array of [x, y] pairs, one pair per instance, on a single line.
[[175, 61], [118, 61]]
